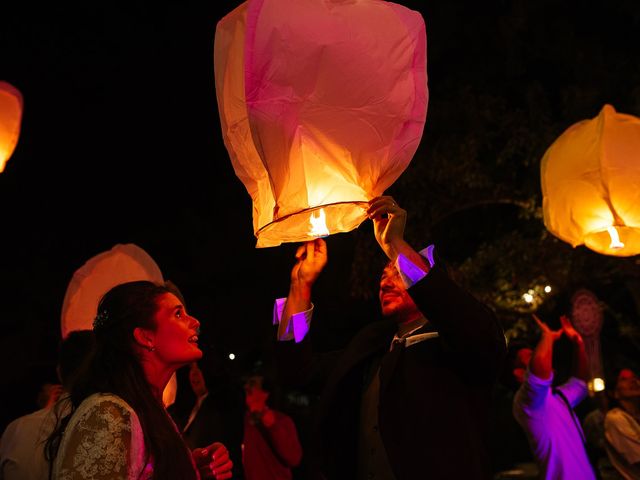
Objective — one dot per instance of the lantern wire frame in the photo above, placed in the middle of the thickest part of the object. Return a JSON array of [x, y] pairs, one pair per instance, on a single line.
[[341, 217]]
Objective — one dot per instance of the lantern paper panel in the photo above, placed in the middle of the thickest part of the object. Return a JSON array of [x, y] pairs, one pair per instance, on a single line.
[[123, 263], [322, 107], [10, 120], [591, 184]]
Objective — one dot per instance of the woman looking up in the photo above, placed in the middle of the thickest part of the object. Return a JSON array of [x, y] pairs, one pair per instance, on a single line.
[[118, 427]]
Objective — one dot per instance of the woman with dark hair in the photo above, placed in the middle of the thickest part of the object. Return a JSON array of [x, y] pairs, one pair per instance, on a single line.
[[118, 427]]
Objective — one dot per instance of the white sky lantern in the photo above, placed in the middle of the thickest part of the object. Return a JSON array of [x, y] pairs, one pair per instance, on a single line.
[[123, 263], [591, 184], [10, 120], [322, 106]]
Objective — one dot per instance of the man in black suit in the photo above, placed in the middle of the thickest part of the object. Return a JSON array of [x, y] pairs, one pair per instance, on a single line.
[[409, 397]]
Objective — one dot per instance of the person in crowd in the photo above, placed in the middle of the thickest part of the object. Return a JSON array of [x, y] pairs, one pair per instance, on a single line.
[[546, 412], [22, 444], [595, 442], [409, 397], [49, 394], [118, 427], [270, 446], [622, 425], [214, 412], [509, 443]]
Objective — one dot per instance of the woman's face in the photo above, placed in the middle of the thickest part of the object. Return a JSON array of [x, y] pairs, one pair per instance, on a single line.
[[176, 335], [628, 385]]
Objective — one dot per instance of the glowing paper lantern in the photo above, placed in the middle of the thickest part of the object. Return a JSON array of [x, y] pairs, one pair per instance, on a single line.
[[123, 263], [322, 106], [10, 119], [591, 184]]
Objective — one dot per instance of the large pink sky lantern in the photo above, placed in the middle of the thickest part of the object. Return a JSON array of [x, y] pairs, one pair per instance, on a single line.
[[322, 106]]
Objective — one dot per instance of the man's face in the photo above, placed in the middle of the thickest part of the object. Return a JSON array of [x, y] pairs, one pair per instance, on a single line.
[[255, 396], [628, 385], [521, 363], [394, 298]]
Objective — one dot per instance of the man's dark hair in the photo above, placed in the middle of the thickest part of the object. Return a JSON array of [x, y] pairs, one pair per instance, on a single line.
[[506, 377]]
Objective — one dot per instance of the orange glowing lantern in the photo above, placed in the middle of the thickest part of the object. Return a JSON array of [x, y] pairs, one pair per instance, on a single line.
[[322, 106], [10, 119], [590, 184]]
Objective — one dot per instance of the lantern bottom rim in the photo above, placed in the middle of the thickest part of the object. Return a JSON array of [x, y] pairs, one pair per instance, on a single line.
[[340, 217], [600, 241]]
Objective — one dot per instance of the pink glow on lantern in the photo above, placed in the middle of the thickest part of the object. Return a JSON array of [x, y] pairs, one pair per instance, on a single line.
[[322, 105]]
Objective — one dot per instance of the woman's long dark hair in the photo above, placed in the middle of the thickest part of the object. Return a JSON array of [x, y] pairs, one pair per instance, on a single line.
[[115, 368]]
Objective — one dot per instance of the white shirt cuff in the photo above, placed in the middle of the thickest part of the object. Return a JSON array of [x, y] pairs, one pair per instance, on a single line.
[[298, 325], [410, 273]]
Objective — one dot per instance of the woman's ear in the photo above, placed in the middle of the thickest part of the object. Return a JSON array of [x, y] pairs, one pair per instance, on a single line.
[[144, 338]]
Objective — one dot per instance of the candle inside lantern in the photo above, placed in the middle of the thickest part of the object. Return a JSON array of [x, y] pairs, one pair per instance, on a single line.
[[615, 238], [318, 224]]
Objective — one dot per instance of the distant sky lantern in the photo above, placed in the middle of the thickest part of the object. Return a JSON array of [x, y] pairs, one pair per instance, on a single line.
[[10, 119], [322, 106], [590, 184]]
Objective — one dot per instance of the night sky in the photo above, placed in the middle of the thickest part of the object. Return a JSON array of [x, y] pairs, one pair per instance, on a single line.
[[121, 143]]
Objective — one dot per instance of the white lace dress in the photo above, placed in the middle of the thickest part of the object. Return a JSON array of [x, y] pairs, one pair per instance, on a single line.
[[103, 440]]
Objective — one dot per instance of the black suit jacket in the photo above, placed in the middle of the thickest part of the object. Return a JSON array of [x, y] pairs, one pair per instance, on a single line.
[[435, 395], [220, 419]]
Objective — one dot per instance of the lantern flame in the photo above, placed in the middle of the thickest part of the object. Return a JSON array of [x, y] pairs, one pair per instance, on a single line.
[[615, 239], [318, 224]]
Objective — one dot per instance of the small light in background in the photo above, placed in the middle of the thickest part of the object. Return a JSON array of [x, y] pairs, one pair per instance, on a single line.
[[232, 356], [547, 289], [528, 297], [598, 384]]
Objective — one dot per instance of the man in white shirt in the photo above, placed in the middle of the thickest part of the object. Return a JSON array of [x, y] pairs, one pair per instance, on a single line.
[[546, 413], [22, 444]]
